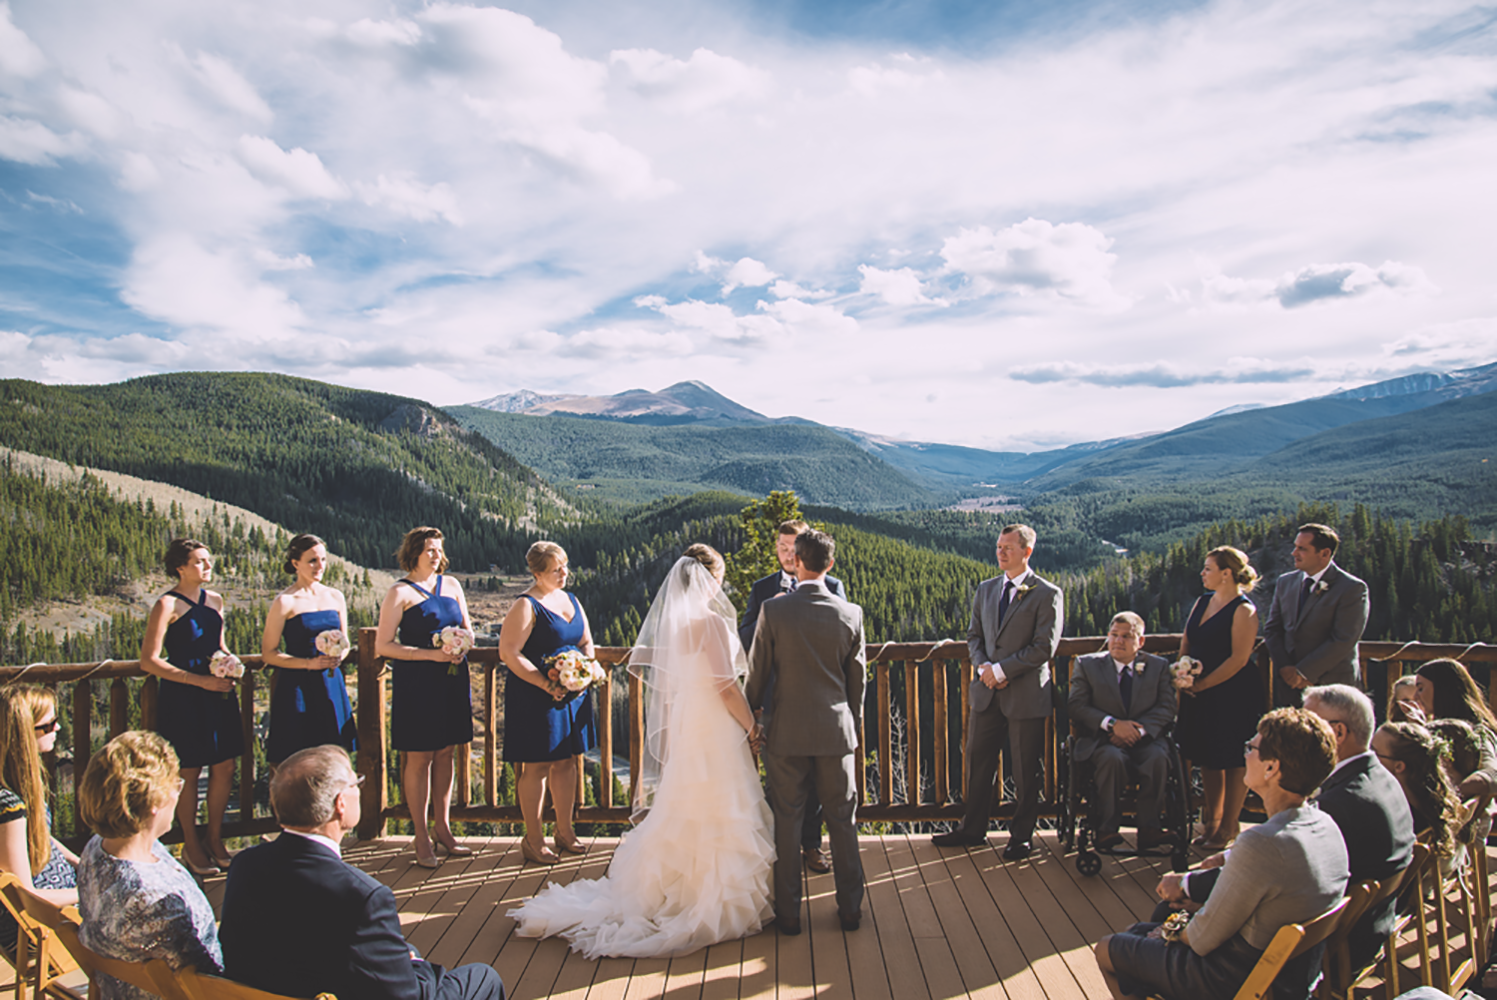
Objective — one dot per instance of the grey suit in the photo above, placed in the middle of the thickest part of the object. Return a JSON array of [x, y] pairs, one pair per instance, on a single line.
[[812, 644], [1319, 640], [1095, 696], [1012, 720]]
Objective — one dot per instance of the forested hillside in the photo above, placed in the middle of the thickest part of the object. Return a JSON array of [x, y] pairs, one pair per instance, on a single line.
[[633, 462], [358, 468]]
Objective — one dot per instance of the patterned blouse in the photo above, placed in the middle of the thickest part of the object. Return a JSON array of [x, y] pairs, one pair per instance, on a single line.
[[136, 912], [57, 873]]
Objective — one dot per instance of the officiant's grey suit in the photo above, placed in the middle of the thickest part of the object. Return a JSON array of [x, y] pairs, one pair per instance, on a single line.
[[1320, 637], [1011, 721], [811, 643]]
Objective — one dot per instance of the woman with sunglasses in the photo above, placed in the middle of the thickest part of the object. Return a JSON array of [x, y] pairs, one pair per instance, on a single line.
[[1289, 869], [196, 711], [28, 729]]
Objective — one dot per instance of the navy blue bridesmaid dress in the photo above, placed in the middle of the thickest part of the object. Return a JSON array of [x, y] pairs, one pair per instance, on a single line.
[[431, 702], [1216, 723], [309, 708], [537, 727], [203, 726]]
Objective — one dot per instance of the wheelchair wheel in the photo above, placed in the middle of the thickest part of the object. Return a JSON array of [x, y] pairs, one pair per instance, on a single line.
[[1089, 864]]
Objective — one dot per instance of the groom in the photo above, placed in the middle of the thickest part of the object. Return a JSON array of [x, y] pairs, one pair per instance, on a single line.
[[811, 643]]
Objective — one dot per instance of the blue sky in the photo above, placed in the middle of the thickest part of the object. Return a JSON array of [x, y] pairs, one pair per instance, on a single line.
[[1012, 225]]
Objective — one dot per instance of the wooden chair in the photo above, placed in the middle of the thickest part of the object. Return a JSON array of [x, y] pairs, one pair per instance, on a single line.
[[1410, 912], [1456, 911], [197, 986], [1291, 941], [1340, 975], [154, 976], [39, 959]]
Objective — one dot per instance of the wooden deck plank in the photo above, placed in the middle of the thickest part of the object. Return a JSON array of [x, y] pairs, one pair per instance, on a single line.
[[723, 969], [833, 977], [958, 923], [942, 976], [683, 980], [550, 956], [795, 976], [901, 964], [760, 969], [994, 914]]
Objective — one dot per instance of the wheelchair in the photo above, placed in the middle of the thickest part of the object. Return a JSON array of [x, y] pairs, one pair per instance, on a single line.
[[1080, 814]]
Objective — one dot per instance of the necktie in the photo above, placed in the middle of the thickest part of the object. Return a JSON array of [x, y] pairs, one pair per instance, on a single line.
[[1304, 595], [1008, 588], [794, 582], [1125, 685]]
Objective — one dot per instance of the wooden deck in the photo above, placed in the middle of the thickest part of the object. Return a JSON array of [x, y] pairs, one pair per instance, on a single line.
[[936, 924]]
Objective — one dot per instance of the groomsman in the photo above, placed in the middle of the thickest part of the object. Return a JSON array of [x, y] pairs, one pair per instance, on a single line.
[[766, 588], [1316, 619], [1015, 629]]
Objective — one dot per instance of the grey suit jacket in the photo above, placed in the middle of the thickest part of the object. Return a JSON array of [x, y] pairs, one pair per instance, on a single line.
[[811, 643], [1095, 695], [1022, 644], [1322, 641]]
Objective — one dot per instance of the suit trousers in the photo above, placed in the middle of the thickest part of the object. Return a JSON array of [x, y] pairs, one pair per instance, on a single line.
[[466, 982], [790, 782], [1112, 765], [1022, 744]]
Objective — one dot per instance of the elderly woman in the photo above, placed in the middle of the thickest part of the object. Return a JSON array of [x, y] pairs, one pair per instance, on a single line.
[[431, 703], [1288, 869], [137, 902], [545, 727], [28, 729]]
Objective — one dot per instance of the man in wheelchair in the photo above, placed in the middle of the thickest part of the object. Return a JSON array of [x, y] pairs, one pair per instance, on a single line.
[[1121, 701]]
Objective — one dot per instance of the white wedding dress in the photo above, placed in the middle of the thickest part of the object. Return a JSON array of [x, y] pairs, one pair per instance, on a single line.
[[696, 870]]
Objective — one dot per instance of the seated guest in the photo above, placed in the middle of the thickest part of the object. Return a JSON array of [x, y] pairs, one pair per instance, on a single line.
[[1122, 700], [1288, 869], [1445, 690], [298, 920], [28, 729], [1466, 758], [137, 902], [1414, 755], [1404, 700]]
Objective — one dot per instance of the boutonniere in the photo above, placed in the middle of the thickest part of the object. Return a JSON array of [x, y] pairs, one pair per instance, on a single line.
[[1138, 668], [1322, 585], [1023, 589]]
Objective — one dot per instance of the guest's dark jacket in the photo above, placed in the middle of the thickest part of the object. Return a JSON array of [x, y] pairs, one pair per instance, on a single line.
[[298, 921], [763, 589], [1365, 801]]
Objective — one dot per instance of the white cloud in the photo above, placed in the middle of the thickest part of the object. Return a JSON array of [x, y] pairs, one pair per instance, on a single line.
[[747, 273], [811, 318], [1319, 282], [301, 173], [233, 90], [899, 287], [377, 34], [790, 290], [272, 261], [872, 80], [1069, 261], [174, 279], [704, 81], [717, 320], [27, 141], [19, 56], [408, 196]]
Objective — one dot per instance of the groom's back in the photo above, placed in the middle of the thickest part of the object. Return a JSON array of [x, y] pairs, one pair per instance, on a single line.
[[812, 643]]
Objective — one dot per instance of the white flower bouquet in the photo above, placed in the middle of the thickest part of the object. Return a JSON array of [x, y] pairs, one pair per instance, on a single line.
[[222, 664], [454, 640], [574, 671], [333, 642], [1184, 671]]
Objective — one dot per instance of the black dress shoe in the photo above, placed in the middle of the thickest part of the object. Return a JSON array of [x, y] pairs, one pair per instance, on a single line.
[[1110, 840], [1017, 850], [786, 926], [817, 860], [850, 923], [1148, 840], [958, 838]]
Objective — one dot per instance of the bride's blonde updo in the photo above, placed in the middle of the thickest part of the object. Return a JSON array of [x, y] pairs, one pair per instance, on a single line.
[[708, 557], [1235, 561]]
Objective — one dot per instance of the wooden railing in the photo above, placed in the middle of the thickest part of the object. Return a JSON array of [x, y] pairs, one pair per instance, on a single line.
[[913, 740]]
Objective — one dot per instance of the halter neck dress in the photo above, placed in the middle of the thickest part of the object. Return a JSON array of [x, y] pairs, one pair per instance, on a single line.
[[203, 726], [431, 703], [537, 727], [1217, 722], [309, 708]]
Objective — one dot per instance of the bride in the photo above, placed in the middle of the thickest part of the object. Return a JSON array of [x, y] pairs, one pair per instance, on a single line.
[[695, 870]]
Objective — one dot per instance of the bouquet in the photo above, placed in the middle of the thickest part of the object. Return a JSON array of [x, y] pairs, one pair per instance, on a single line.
[[1184, 671], [334, 643], [574, 671], [454, 640], [223, 664]]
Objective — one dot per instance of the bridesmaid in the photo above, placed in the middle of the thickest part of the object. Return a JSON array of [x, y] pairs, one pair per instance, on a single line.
[[543, 735], [1220, 711], [308, 702], [196, 712], [431, 705]]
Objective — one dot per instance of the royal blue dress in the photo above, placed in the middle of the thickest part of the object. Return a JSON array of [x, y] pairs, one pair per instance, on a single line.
[[203, 726], [1217, 722], [537, 727], [309, 708], [431, 702]]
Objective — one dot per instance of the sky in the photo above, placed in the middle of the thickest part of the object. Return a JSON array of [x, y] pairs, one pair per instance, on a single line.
[[1002, 224]]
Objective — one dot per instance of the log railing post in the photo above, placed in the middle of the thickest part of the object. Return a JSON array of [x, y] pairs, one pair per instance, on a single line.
[[605, 741], [942, 726], [247, 686], [490, 736], [885, 735], [83, 728], [371, 725], [912, 732], [119, 707], [636, 733]]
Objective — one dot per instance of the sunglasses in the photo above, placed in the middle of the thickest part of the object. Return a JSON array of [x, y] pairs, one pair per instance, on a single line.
[[51, 726]]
